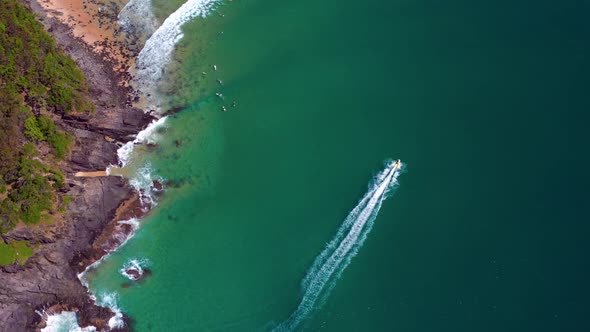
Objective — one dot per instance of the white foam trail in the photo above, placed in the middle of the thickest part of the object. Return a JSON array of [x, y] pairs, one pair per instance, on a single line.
[[328, 266], [66, 321], [158, 49], [137, 17]]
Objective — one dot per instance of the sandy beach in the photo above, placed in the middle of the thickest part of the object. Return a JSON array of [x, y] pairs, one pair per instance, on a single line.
[[94, 22]]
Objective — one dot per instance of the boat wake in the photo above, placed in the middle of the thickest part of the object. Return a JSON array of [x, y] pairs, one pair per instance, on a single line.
[[328, 266]]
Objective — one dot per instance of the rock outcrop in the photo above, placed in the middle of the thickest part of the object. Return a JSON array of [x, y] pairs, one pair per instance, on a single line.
[[49, 278]]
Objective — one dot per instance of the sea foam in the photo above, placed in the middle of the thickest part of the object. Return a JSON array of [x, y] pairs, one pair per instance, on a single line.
[[134, 264], [66, 321], [108, 300], [146, 136], [157, 51]]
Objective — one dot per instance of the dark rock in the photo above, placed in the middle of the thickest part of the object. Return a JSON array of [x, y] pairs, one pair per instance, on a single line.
[[76, 117], [133, 274], [157, 185], [50, 276], [59, 109]]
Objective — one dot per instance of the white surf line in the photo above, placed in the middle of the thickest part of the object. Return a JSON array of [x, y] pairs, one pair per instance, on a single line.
[[145, 136], [64, 321], [351, 235], [109, 300], [158, 49]]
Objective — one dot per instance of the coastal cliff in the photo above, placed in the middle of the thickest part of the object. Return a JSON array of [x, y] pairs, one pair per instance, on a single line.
[[48, 280]]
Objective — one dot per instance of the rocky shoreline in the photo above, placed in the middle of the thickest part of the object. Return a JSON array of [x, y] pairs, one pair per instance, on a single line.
[[48, 282]]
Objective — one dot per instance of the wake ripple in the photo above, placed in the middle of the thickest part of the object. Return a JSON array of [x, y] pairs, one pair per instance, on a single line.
[[328, 266]]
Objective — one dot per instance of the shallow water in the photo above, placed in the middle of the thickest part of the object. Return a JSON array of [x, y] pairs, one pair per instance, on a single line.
[[484, 102]]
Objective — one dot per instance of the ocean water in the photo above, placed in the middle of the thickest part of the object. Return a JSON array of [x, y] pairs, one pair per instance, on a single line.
[[484, 102]]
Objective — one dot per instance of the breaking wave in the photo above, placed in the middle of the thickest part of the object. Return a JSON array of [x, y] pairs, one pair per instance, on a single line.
[[142, 177], [110, 300], [137, 18], [157, 51], [146, 136], [329, 265], [66, 321]]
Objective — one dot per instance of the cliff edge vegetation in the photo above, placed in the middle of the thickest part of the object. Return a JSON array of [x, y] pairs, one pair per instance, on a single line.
[[38, 85]]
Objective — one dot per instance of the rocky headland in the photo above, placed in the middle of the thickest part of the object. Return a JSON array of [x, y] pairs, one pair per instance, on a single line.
[[48, 281]]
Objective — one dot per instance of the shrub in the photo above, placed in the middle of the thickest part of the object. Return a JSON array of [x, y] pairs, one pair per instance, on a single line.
[[32, 129], [60, 142]]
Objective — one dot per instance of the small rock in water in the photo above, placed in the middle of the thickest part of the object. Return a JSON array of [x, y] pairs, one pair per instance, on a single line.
[[223, 108], [158, 185], [133, 274]]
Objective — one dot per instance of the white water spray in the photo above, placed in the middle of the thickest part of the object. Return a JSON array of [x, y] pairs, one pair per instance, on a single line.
[[328, 266], [66, 321], [158, 49]]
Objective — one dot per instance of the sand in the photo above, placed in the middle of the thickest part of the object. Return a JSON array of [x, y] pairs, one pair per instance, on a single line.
[[95, 174], [94, 22]]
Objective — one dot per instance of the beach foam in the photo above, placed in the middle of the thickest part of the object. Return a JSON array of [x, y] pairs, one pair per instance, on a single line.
[[146, 136], [66, 321], [143, 180], [109, 300], [157, 51]]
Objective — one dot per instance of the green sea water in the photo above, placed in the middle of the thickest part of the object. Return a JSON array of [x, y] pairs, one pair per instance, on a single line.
[[487, 104]]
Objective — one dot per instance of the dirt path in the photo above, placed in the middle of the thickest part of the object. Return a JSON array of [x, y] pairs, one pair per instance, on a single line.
[[95, 174]]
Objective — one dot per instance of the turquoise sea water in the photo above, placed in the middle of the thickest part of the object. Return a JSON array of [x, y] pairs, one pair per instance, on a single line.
[[485, 102]]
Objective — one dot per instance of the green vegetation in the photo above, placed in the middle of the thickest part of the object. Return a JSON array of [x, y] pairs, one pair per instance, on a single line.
[[31, 63], [66, 199], [42, 128], [14, 252], [36, 80]]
